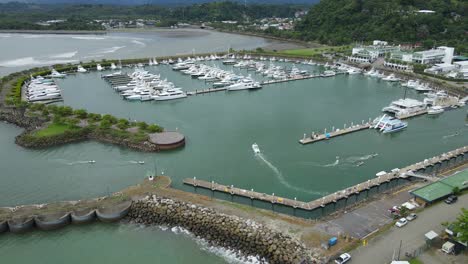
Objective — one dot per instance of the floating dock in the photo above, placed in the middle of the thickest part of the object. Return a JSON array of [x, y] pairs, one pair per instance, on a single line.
[[403, 173], [334, 133]]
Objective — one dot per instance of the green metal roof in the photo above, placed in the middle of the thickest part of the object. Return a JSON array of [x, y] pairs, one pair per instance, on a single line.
[[457, 180], [433, 191], [442, 188], [460, 58]]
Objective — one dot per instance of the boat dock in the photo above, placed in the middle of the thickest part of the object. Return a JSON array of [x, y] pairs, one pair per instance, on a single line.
[[335, 132], [345, 194], [207, 90], [118, 79]]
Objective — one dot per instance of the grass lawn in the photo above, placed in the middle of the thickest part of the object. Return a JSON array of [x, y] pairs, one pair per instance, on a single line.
[[314, 51], [52, 129], [415, 261]]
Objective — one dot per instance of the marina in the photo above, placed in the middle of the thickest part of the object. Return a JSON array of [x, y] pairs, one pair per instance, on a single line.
[[451, 158]]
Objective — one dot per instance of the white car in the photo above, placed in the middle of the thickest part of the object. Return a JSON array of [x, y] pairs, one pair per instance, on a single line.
[[402, 222], [343, 258]]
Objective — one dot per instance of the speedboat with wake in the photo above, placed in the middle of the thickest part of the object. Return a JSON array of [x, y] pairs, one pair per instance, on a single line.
[[255, 148]]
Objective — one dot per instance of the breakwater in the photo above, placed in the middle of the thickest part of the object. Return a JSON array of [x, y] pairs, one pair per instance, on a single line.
[[341, 199], [54, 216], [226, 231]]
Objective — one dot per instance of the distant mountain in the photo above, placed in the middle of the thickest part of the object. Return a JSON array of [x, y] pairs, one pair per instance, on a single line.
[[161, 2]]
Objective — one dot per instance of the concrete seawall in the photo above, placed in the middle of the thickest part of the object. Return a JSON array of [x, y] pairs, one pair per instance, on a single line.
[[20, 220]]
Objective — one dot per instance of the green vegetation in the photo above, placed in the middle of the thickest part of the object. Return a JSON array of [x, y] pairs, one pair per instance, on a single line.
[[82, 17], [415, 261], [345, 21], [315, 51], [461, 225], [53, 129]]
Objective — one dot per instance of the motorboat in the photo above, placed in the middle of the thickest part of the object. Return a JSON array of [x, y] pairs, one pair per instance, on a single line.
[[391, 78], [56, 74], [99, 67], [328, 74], [388, 124], [423, 88], [255, 148], [169, 94], [81, 69], [113, 67], [435, 110], [244, 85]]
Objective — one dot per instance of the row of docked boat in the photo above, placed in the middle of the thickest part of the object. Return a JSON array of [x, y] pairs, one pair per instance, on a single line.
[[42, 89], [142, 85], [219, 78], [417, 85]]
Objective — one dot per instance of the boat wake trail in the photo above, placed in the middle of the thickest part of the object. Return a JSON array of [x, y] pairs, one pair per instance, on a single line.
[[281, 178], [451, 135], [80, 162], [337, 161], [356, 159]]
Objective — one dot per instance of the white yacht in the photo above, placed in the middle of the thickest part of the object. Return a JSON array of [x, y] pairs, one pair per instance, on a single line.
[[404, 107], [169, 94], [353, 71], [244, 85], [328, 74], [424, 87], [391, 78], [56, 74], [81, 69], [113, 67], [99, 67], [435, 110], [44, 97]]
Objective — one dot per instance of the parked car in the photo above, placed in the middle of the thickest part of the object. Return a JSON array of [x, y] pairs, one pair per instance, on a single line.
[[401, 222], [343, 258], [451, 199], [411, 217]]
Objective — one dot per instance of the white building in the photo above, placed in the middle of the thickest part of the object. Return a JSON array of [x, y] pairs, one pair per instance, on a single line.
[[440, 54], [369, 54]]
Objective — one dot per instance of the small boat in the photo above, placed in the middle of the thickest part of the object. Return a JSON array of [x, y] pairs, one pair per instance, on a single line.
[[141, 162], [91, 161], [360, 164], [435, 110], [81, 69], [255, 148]]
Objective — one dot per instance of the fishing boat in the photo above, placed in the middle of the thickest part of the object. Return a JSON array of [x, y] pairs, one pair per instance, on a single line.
[[255, 148], [81, 69], [55, 74], [435, 110]]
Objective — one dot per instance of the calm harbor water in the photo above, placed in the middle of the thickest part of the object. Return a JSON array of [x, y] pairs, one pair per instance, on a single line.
[[220, 130]]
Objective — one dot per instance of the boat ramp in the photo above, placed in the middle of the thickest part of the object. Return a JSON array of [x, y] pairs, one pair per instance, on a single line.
[[383, 181]]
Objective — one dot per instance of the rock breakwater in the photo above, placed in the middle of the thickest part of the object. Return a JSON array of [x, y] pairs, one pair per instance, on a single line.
[[231, 232]]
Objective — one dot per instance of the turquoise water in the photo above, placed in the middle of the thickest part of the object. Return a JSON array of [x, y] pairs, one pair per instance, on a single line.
[[110, 243]]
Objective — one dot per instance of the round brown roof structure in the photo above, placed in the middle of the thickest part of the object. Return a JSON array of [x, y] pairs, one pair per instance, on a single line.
[[166, 138]]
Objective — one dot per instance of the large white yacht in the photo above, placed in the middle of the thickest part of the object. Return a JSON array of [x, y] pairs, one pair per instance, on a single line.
[[56, 74], [404, 106], [169, 94], [244, 85]]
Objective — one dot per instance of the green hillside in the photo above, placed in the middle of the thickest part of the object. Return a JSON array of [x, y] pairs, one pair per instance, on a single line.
[[346, 21]]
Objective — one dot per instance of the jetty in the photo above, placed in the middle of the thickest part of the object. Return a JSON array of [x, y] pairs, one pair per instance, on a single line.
[[335, 132], [456, 156]]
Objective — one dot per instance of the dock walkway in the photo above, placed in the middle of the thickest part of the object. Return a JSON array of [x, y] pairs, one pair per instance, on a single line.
[[334, 133], [331, 198]]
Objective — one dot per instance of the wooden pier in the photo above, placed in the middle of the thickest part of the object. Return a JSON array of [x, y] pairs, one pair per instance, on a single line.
[[334, 133], [331, 198], [418, 113], [208, 90]]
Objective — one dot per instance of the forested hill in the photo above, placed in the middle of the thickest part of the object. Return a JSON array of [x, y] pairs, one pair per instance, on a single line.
[[346, 21], [157, 2]]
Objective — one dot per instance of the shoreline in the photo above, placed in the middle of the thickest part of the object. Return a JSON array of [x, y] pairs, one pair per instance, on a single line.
[[53, 32]]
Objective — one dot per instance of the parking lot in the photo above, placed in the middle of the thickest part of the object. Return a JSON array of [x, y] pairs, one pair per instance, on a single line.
[[364, 220]]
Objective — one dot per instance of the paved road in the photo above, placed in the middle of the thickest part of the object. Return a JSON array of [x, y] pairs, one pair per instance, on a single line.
[[381, 249]]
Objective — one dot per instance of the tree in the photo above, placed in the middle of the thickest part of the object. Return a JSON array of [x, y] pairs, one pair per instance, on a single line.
[[154, 128], [123, 123], [111, 119], [461, 225], [142, 125], [81, 113], [105, 124], [456, 190]]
